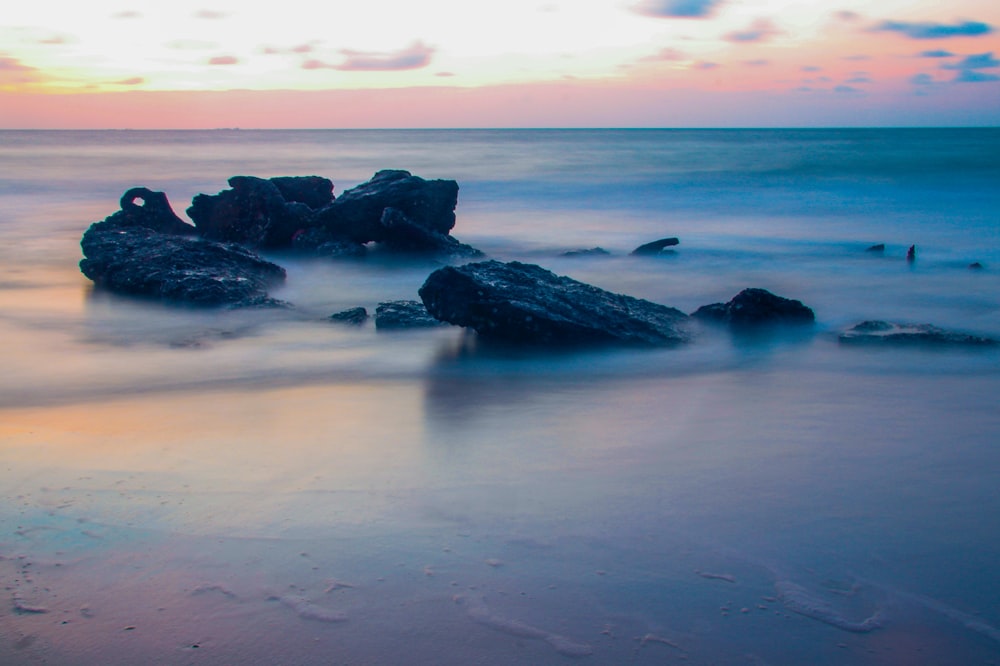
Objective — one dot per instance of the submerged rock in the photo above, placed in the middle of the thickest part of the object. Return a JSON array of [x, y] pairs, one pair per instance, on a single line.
[[357, 213], [403, 314], [878, 248], [525, 303], [976, 266], [753, 307], [354, 316], [884, 332], [142, 262], [255, 212]]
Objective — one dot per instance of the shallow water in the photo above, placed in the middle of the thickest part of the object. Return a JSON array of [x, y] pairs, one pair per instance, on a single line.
[[184, 486]]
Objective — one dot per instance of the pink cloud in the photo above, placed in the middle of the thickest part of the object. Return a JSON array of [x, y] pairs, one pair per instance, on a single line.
[[133, 81], [224, 60]]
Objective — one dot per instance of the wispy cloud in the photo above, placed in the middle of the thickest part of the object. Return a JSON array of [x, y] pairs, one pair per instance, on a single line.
[[968, 68], [55, 40], [938, 53], [224, 60], [677, 8], [209, 14], [849, 90], [928, 30], [760, 30], [133, 81], [665, 55], [847, 16], [812, 68], [759, 62], [704, 65], [127, 14], [191, 45], [307, 47], [922, 79], [415, 56], [860, 57]]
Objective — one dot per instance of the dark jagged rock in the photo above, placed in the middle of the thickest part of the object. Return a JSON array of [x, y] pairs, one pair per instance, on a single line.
[[911, 254], [527, 304], [354, 316], [155, 213], [592, 252], [313, 191], [655, 247], [254, 213], [884, 332], [322, 243], [401, 234], [976, 266], [140, 261], [879, 248], [403, 314], [357, 213], [752, 307]]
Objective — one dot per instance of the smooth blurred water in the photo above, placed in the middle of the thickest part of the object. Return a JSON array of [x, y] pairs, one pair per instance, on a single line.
[[203, 476]]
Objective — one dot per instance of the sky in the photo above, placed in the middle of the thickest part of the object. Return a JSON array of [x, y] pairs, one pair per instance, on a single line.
[[516, 63]]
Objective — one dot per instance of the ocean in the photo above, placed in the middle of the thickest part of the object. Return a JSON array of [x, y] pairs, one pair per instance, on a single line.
[[186, 486]]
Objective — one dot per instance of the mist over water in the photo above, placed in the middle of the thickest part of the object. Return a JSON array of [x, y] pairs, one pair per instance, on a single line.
[[241, 486]]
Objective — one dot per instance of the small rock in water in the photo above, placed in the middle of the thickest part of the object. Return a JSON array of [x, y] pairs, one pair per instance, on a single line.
[[404, 314], [755, 307], [976, 266], [884, 332], [592, 252], [355, 316], [911, 254], [879, 248], [655, 247]]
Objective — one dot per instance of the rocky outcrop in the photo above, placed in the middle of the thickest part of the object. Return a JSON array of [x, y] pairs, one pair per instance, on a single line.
[[322, 243], [524, 303], [404, 314], [755, 307], [255, 212], [155, 213], [357, 213], [891, 333], [143, 251], [655, 247]]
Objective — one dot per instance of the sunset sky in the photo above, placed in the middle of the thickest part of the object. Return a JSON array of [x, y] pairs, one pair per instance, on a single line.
[[517, 63]]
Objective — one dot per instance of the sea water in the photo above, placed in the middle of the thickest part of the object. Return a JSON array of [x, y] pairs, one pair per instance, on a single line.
[[211, 487]]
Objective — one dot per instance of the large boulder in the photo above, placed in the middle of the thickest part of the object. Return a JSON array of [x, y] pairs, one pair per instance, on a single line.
[[401, 234], [124, 255], [524, 303], [892, 333], [254, 212], [313, 191], [357, 213], [754, 307]]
